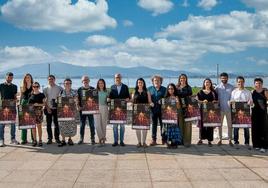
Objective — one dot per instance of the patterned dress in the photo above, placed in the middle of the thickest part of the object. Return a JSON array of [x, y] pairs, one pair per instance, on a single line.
[[172, 134], [68, 128]]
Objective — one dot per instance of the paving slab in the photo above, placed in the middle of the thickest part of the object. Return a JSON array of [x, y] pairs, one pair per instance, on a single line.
[[98, 166]]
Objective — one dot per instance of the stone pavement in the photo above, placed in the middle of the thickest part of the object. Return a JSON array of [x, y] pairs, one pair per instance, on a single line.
[[94, 166]]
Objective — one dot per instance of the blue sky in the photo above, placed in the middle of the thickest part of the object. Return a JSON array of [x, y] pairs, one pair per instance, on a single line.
[[192, 35]]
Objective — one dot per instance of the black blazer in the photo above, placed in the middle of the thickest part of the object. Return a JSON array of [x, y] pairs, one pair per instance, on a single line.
[[124, 92]]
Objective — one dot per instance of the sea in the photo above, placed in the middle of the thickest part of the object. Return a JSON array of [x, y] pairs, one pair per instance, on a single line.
[[131, 82]]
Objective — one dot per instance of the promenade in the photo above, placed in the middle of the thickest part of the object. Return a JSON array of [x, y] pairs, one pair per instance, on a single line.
[[131, 167]]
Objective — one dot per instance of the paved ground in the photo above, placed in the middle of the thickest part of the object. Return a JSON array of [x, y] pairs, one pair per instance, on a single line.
[[94, 166]]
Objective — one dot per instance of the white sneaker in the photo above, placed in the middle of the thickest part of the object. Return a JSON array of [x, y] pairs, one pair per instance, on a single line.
[[257, 148], [14, 141], [2, 144], [262, 150]]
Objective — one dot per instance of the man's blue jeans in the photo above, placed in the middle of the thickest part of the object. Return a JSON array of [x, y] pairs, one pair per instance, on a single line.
[[12, 131], [122, 132], [83, 119], [236, 135]]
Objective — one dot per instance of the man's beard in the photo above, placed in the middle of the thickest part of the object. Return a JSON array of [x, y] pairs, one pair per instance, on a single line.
[[224, 81]]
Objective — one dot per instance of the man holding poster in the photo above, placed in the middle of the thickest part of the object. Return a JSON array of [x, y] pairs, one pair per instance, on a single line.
[[240, 94], [83, 117], [51, 92], [8, 91], [157, 92], [119, 91]]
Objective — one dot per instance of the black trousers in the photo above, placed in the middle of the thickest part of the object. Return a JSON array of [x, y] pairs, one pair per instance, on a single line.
[[157, 117], [206, 133], [259, 130], [49, 117]]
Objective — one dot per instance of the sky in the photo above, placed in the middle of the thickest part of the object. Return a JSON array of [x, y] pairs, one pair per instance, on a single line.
[[189, 35]]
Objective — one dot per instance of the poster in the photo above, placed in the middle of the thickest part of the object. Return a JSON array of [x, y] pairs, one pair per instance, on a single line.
[[90, 102], [27, 117], [211, 114], [118, 111], [7, 111], [241, 117], [141, 117], [66, 108], [192, 110], [169, 111]]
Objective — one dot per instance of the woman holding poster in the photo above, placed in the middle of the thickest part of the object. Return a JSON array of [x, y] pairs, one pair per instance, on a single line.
[[184, 91], [141, 96], [26, 90], [207, 94], [68, 128], [259, 116], [102, 117], [170, 107], [38, 100]]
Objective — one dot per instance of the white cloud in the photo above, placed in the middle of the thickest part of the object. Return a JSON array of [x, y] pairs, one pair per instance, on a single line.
[[207, 4], [127, 23], [153, 53], [257, 4], [257, 61], [13, 57], [159, 54], [100, 40], [58, 15], [222, 33], [156, 6], [185, 3]]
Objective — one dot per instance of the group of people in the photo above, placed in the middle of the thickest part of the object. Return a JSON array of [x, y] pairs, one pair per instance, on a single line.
[[224, 94]]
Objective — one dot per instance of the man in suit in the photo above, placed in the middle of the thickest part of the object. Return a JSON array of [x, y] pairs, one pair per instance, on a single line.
[[119, 91]]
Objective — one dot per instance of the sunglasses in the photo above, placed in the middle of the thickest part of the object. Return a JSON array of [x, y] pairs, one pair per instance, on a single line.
[[35, 86]]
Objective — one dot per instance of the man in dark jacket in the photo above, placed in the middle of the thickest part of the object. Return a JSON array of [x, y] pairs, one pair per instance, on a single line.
[[119, 91], [84, 117]]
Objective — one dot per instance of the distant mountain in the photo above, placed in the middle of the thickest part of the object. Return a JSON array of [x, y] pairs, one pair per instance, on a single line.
[[64, 70]]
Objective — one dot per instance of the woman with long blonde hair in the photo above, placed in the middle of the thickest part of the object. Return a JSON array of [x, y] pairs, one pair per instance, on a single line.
[[25, 93]]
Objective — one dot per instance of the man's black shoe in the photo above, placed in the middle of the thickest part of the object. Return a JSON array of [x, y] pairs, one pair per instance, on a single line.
[[115, 144]]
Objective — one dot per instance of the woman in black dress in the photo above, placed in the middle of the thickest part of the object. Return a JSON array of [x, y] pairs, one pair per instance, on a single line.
[[259, 116], [207, 94], [141, 96]]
